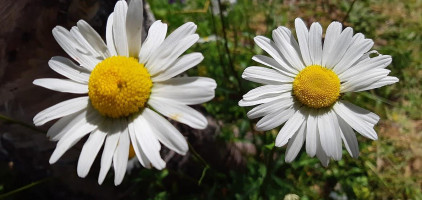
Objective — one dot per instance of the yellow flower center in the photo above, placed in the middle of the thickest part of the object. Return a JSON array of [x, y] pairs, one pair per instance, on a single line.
[[119, 86], [316, 86]]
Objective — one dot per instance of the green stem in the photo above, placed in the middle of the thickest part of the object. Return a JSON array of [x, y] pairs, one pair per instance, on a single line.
[[14, 121], [348, 11], [3, 196], [202, 160]]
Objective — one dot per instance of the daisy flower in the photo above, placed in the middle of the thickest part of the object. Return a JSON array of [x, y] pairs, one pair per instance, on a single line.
[[303, 87], [127, 86]]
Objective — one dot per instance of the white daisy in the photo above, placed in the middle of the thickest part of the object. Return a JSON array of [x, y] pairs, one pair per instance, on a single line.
[[129, 84], [303, 86]]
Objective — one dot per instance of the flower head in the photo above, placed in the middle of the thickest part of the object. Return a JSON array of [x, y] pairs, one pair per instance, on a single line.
[[303, 87], [127, 86]]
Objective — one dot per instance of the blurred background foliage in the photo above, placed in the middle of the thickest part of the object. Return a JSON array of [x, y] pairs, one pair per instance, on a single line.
[[390, 168]]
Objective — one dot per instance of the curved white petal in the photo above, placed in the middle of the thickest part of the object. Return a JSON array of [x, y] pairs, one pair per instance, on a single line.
[[270, 47], [81, 40], [303, 37], [364, 80], [134, 20], [287, 50], [148, 142], [380, 83], [61, 109], [315, 43], [271, 62], [89, 151], [378, 62], [162, 59], [60, 127], [270, 107], [291, 126], [265, 99], [79, 129], [331, 36], [136, 147], [156, 34], [69, 69], [179, 112], [93, 38], [265, 75], [166, 132], [109, 35], [186, 90], [62, 85], [120, 157], [329, 131], [358, 48], [275, 119], [179, 66], [109, 147], [338, 48], [295, 144], [353, 118], [349, 138], [267, 90], [312, 133], [119, 28]]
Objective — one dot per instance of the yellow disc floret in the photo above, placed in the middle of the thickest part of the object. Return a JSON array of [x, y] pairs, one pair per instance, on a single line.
[[119, 86], [316, 86]]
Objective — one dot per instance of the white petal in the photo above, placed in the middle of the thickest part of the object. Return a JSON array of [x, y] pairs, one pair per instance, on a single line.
[[119, 28], [179, 66], [109, 148], [73, 49], [265, 76], [362, 113], [312, 133], [270, 107], [291, 126], [266, 99], [79, 129], [69, 69], [186, 90], [267, 90], [275, 119], [338, 48], [353, 53], [156, 34], [270, 62], [183, 31], [62, 85], [353, 119], [120, 157], [136, 147], [162, 59], [166, 132], [364, 66], [315, 43], [148, 142], [380, 83], [320, 153], [287, 50], [288, 36], [349, 138], [109, 35], [134, 20], [331, 36], [61, 109], [60, 127], [80, 39], [302, 36], [295, 144], [93, 38], [329, 131], [179, 112], [89, 151], [363, 81], [270, 47]]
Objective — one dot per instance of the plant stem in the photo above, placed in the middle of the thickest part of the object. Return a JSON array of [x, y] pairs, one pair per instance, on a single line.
[[202, 160], [348, 11], [3, 196], [14, 121]]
